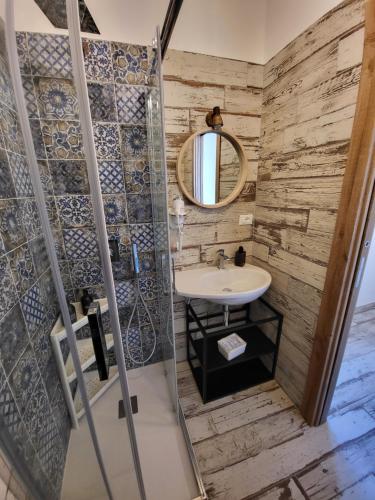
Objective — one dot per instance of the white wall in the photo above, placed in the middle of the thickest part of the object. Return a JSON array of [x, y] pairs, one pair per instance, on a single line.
[[286, 19], [250, 30], [367, 290]]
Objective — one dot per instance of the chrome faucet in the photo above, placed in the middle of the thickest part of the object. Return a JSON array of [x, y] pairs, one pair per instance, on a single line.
[[221, 259]]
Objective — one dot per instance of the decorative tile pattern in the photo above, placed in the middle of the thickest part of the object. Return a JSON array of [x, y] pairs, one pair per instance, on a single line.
[[30, 217], [122, 235], [131, 105], [21, 175], [137, 177], [39, 254], [86, 273], [122, 270], [107, 141], [147, 262], [11, 130], [69, 177], [143, 235], [38, 406], [80, 243], [75, 211], [139, 208], [45, 177], [11, 227], [9, 296], [111, 176], [13, 337], [49, 55], [134, 142], [33, 308], [30, 96], [57, 99], [23, 53], [144, 319], [149, 287], [130, 63], [22, 268], [102, 102], [124, 292], [133, 338], [62, 139], [97, 56], [6, 93], [24, 377], [42, 348], [114, 209], [36, 132], [6, 183]]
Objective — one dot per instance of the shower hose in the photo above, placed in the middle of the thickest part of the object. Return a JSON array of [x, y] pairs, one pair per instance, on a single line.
[[138, 297]]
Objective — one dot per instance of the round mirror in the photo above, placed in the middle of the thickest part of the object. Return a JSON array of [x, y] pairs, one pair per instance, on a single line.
[[211, 169]]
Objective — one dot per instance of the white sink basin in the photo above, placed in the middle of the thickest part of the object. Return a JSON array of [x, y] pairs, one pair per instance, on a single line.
[[229, 286]]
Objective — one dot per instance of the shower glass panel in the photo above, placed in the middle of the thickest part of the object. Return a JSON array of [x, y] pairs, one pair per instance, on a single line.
[[158, 174], [55, 460]]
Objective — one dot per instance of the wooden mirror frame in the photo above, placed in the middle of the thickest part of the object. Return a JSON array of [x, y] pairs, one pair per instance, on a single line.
[[243, 167]]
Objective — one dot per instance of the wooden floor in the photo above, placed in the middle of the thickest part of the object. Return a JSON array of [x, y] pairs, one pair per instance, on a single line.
[[255, 444]]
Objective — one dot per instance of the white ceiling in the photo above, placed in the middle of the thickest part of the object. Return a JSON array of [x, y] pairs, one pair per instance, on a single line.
[[250, 30]]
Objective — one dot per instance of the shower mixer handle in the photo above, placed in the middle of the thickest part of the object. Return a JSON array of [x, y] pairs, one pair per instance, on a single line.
[[135, 258]]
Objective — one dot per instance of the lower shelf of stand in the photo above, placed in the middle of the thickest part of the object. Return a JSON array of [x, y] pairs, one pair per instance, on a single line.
[[95, 388], [236, 378]]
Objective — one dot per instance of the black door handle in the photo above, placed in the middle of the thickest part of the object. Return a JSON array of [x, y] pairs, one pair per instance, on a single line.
[[98, 340]]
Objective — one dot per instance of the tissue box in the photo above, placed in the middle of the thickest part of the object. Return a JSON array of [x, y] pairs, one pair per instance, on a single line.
[[232, 346]]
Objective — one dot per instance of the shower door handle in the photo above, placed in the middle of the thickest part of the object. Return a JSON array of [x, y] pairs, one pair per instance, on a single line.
[[98, 340], [165, 285]]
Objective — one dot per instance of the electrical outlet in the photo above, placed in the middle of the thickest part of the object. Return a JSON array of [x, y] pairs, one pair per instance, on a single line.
[[246, 219]]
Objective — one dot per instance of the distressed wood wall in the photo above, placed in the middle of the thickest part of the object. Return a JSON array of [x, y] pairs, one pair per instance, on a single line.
[[193, 85], [309, 98]]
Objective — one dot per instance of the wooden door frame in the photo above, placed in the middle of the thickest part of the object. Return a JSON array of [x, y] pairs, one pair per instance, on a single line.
[[350, 225]]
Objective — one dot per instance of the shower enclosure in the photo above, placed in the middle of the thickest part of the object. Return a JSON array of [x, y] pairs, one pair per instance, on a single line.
[[83, 208]]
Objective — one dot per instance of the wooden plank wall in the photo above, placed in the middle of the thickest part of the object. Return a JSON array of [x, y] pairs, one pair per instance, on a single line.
[[309, 97], [193, 85]]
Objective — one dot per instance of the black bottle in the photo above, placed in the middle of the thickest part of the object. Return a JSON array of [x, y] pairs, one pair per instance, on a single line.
[[86, 301], [240, 257]]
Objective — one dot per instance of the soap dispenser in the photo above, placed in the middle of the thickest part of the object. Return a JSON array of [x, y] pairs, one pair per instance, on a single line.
[[240, 257]]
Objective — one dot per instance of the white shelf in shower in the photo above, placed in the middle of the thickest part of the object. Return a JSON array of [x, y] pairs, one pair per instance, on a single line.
[[67, 373], [86, 355]]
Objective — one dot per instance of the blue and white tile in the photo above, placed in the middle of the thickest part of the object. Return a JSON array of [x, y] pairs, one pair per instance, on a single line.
[[22, 266], [86, 273], [6, 88], [33, 308], [114, 209], [39, 254], [30, 96], [49, 55], [107, 141], [137, 176], [23, 53], [30, 217], [69, 177], [80, 243], [131, 104], [62, 139], [130, 63], [111, 176], [143, 236], [21, 175], [37, 413], [24, 377], [7, 189], [57, 98], [134, 142], [75, 211], [139, 208], [147, 262], [122, 235], [11, 226], [131, 337], [102, 102], [48, 295], [38, 141], [13, 337], [8, 289], [10, 127], [149, 287], [42, 347], [125, 293], [153, 309], [45, 177], [97, 57], [122, 270]]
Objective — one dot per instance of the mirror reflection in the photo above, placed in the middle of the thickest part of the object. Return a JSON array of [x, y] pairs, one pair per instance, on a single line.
[[210, 167]]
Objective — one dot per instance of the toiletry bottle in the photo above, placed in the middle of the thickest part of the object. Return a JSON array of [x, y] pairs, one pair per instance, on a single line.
[[240, 257], [86, 301]]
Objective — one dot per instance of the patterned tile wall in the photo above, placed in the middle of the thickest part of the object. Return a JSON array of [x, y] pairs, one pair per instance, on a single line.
[[33, 414], [117, 86]]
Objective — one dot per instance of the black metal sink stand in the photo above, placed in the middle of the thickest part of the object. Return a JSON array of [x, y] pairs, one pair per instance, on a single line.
[[215, 376]]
